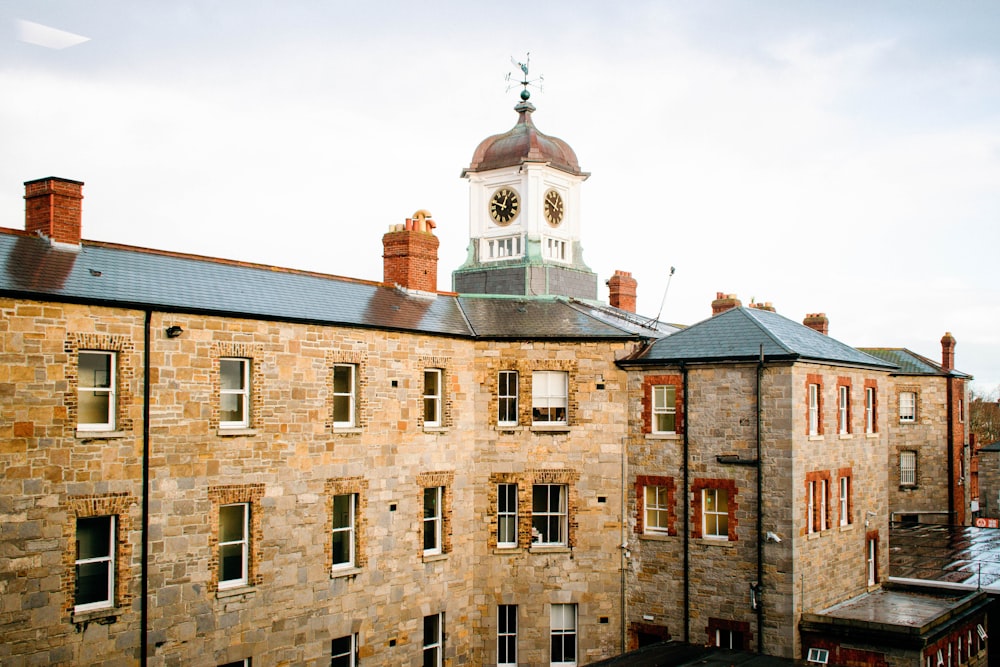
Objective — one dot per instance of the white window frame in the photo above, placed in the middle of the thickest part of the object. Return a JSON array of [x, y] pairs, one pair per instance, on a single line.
[[507, 635], [507, 397], [907, 407], [433, 397], [347, 531], [106, 559], [908, 467], [243, 541], [811, 508], [656, 504], [556, 249], [824, 490], [725, 638], [706, 513], [563, 634], [549, 394], [845, 495], [548, 516], [350, 396], [872, 561], [499, 248], [351, 653], [507, 519], [433, 519], [869, 409], [92, 385], [844, 398], [434, 639], [241, 393], [820, 656], [813, 409], [664, 406]]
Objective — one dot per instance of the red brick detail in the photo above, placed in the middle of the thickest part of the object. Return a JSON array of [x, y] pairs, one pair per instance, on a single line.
[[845, 382], [849, 474], [724, 302], [445, 479], [621, 291], [53, 208], [648, 382], [817, 379], [947, 351], [741, 627], [343, 486], [410, 259], [227, 495], [817, 322], [636, 629], [814, 520], [699, 485], [641, 482], [844, 656], [873, 385]]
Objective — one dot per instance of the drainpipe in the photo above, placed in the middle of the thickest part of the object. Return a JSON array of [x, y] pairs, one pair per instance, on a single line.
[[687, 510], [624, 541], [952, 513], [760, 516], [144, 572]]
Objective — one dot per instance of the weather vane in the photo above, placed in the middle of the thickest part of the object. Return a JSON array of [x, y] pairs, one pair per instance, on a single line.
[[525, 81]]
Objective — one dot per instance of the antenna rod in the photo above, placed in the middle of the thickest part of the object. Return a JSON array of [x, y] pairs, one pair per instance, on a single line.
[[665, 290]]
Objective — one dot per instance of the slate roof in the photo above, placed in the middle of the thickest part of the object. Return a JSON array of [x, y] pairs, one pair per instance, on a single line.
[[739, 333], [911, 363], [520, 317]]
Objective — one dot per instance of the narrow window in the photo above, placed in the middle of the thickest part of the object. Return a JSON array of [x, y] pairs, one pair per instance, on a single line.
[[908, 468], [549, 397], [234, 521], [872, 561], [811, 509], [344, 652], [563, 624], [664, 409], [961, 410], [813, 409], [343, 530], [715, 513], [433, 497], [844, 411], [549, 514], [344, 395], [869, 409], [908, 407], [507, 398], [432, 397], [824, 490], [657, 511], [434, 640], [96, 391], [507, 634], [506, 516], [95, 562], [234, 379], [845, 495]]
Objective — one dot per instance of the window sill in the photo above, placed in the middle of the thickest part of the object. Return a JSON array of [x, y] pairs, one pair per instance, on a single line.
[[507, 551], [235, 591], [663, 436], [508, 428], [871, 436], [656, 537], [550, 428], [549, 549], [818, 534], [433, 558], [83, 434], [844, 527], [345, 572], [104, 616], [908, 487], [347, 430], [815, 437], [845, 436], [233, 432], [435, 429], [717, 542]]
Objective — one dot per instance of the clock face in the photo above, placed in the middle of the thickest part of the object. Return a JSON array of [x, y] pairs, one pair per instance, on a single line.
[[504, 206], [553, 208]]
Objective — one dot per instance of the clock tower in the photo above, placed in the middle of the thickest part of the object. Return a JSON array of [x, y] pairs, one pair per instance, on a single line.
[[524, 216]]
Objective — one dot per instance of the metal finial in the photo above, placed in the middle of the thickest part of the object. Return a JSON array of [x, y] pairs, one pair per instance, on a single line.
[[525, 81]]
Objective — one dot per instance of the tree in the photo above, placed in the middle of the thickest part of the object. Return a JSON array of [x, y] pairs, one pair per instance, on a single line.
[[984, 416]]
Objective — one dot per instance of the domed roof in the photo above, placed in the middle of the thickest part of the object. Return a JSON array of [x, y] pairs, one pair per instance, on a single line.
[[523, 143]]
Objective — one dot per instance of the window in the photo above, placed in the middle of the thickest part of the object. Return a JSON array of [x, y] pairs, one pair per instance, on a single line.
[[555, 249], [811, 508], [344, 395], [245, 662], [664, 409], [845, 497], [656, 509], [344, 508], [234, 521], [506, 515], [344, 652], [907, 407], [95, 563], [507, 634], [434, 640], [96, 391], [507, 398], [961, 411], [433, 499], [824, 494], [817, 502], [870, 409], [549, 514], [815, 414], [563, 634], [872, 556], [501, 248], [549, 397], [818, 655], [432, 397], [844, 409], [728, 638], [234, 381], [908, 468], [715, 513]]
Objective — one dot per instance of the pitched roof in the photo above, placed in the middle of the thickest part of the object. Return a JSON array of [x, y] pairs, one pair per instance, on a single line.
[[910, 363], [540, 317], [741, 333]]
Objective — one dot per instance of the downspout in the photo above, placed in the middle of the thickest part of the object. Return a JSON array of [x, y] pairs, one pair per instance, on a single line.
[[623, 548], [687, 512], [144, 572], [760, 516], [952, 518]]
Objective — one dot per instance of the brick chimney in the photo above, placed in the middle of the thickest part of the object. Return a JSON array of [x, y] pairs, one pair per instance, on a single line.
[[767, 305], [818, 322], [621, 290], [948, 351], [410, 255], [724, 302], [52, 208]]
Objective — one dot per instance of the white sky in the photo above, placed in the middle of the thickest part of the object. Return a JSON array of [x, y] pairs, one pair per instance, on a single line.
[[837, 157]]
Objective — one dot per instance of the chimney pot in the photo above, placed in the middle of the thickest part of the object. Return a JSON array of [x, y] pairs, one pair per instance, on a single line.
[[724, 302], [410, 256], [622, 290], [948, 351], [818, 322], [53, 209]]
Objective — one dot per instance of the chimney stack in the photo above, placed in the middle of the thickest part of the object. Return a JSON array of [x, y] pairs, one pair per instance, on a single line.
[[52, 208], [409, 257], [767, 305], [948, 351], [818, 322], [621, 290], [724, 302]]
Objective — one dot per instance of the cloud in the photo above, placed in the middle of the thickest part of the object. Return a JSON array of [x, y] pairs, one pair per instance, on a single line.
[[47, 36]]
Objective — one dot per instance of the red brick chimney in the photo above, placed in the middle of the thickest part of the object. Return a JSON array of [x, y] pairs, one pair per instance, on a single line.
[[724, 302], [818, 322], [767, 305], [947, 351], [52, 209], [410, 254], [621, 290]]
